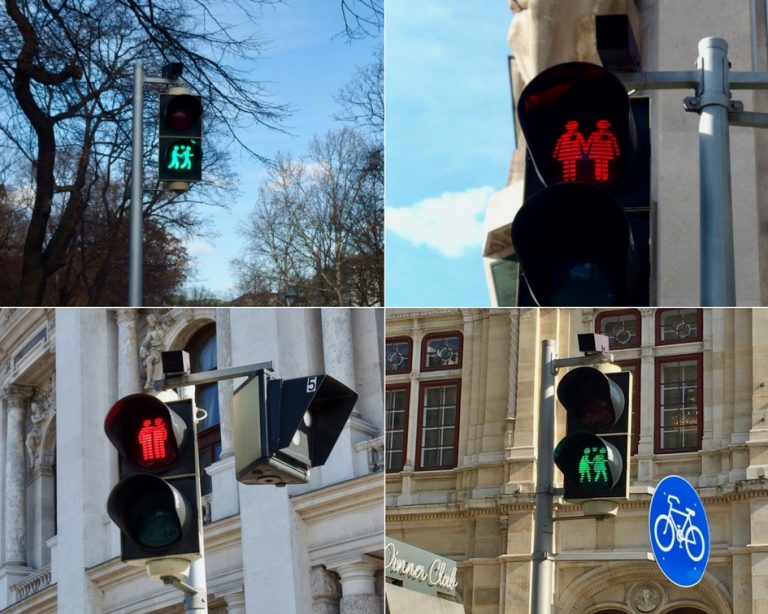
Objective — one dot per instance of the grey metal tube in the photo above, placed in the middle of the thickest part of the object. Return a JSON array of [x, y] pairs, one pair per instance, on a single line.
[[753, 31], [716, 217], [543, 565], [136, 249], [197, 602]]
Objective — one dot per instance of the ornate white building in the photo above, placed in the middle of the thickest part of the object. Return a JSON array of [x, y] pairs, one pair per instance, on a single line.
[[462, 416], [309, 549]]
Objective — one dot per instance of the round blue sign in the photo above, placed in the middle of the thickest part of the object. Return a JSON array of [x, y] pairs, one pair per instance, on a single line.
[[679, 531]]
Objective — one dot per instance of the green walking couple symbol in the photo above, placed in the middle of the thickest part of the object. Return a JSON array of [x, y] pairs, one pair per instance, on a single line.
[[596, 465], [181, 157]]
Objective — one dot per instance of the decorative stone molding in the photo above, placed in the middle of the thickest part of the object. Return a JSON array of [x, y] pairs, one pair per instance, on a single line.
[[578, 596], [32, 584], [646, 597], [151, 347]]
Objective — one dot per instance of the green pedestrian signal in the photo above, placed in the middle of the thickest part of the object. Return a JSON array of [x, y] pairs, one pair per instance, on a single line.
[[594, 454], [180, 126]]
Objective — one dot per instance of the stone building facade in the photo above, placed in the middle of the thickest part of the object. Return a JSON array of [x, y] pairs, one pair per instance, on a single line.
[[309, 549], [462, 408], [547, 32]]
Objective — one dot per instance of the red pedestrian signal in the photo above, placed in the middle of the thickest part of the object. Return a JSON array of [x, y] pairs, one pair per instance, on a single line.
[[587, 191], [156, 502]]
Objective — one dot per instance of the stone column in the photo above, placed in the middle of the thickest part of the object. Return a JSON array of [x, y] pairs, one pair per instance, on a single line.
[[235, 602], [129, 381], [15, 471], [358, 585], [326, 590], [226, 387], [338, 345]]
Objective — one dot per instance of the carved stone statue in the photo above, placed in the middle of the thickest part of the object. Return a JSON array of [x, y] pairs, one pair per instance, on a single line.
[[37, 415], [151, 348]]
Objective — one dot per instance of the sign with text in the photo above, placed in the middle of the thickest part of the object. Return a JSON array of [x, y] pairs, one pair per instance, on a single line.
[[419, 569]]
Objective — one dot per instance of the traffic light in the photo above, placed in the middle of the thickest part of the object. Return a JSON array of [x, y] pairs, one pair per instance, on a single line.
[[594, 454], [180, 137], [581, 236], [285, 427], [156, 502]]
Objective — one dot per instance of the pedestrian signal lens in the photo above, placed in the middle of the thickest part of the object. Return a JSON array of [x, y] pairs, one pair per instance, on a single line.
[[182, 156], [588, 160]]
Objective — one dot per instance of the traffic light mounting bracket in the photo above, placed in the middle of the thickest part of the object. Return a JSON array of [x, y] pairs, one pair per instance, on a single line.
[[208, 377]]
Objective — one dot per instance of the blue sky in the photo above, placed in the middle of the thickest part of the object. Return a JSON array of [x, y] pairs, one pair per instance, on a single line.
[[304, 65], [449, 141]]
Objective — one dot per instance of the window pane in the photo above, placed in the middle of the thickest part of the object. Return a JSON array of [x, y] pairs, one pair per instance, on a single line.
[[679, 398], [679, 325], [446, 457], [429, 458], [442, 352], [433, 397], [438, 425], [429, 438], [398, 357], [622, 330], [449, 397], [446, 439]]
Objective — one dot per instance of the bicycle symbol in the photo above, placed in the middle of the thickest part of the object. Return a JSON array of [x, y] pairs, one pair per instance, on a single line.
[[666, 531]]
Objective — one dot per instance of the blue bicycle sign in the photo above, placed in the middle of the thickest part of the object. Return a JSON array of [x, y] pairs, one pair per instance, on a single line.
[[679, 531]]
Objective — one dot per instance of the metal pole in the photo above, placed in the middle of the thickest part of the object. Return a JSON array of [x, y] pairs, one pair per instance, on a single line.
[[197, 602], [136, 263], [543, 562], [717, 267]]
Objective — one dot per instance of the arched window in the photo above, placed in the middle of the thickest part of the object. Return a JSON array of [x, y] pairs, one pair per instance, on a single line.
[[202, 357]]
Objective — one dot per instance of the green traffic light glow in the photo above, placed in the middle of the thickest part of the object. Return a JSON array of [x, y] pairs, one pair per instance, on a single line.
[[181, 155], [593, 470]]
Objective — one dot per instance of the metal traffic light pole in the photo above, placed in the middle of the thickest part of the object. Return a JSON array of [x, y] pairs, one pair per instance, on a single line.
[[136, 248], [542, 559], [712, 81]]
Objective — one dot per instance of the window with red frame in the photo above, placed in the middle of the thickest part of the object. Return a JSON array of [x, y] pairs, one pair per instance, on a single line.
[[396, 417], [621, 327], [437, 443], [678, 326], [397, 354], [441, 351], [679, 423]]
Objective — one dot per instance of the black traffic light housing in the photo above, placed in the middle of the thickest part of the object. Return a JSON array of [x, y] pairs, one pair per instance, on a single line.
[[581, 236], [180, 136], [594, 454], [156, 502], [285, 427]]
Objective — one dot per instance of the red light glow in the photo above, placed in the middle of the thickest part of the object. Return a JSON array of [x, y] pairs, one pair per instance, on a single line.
[[152, 438], [601, 147]]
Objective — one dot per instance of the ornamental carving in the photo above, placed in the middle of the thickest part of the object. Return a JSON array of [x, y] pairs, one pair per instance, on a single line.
[[151, 348], [645, 598]]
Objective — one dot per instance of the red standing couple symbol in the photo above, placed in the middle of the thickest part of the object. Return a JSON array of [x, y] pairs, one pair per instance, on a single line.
[[152, 438], [601, 147]]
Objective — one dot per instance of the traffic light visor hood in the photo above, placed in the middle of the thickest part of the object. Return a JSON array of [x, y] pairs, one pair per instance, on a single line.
[[594, 399], [578, 125]]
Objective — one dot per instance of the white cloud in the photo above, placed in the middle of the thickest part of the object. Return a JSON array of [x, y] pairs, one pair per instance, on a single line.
[[200, 248], [450, 223]]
